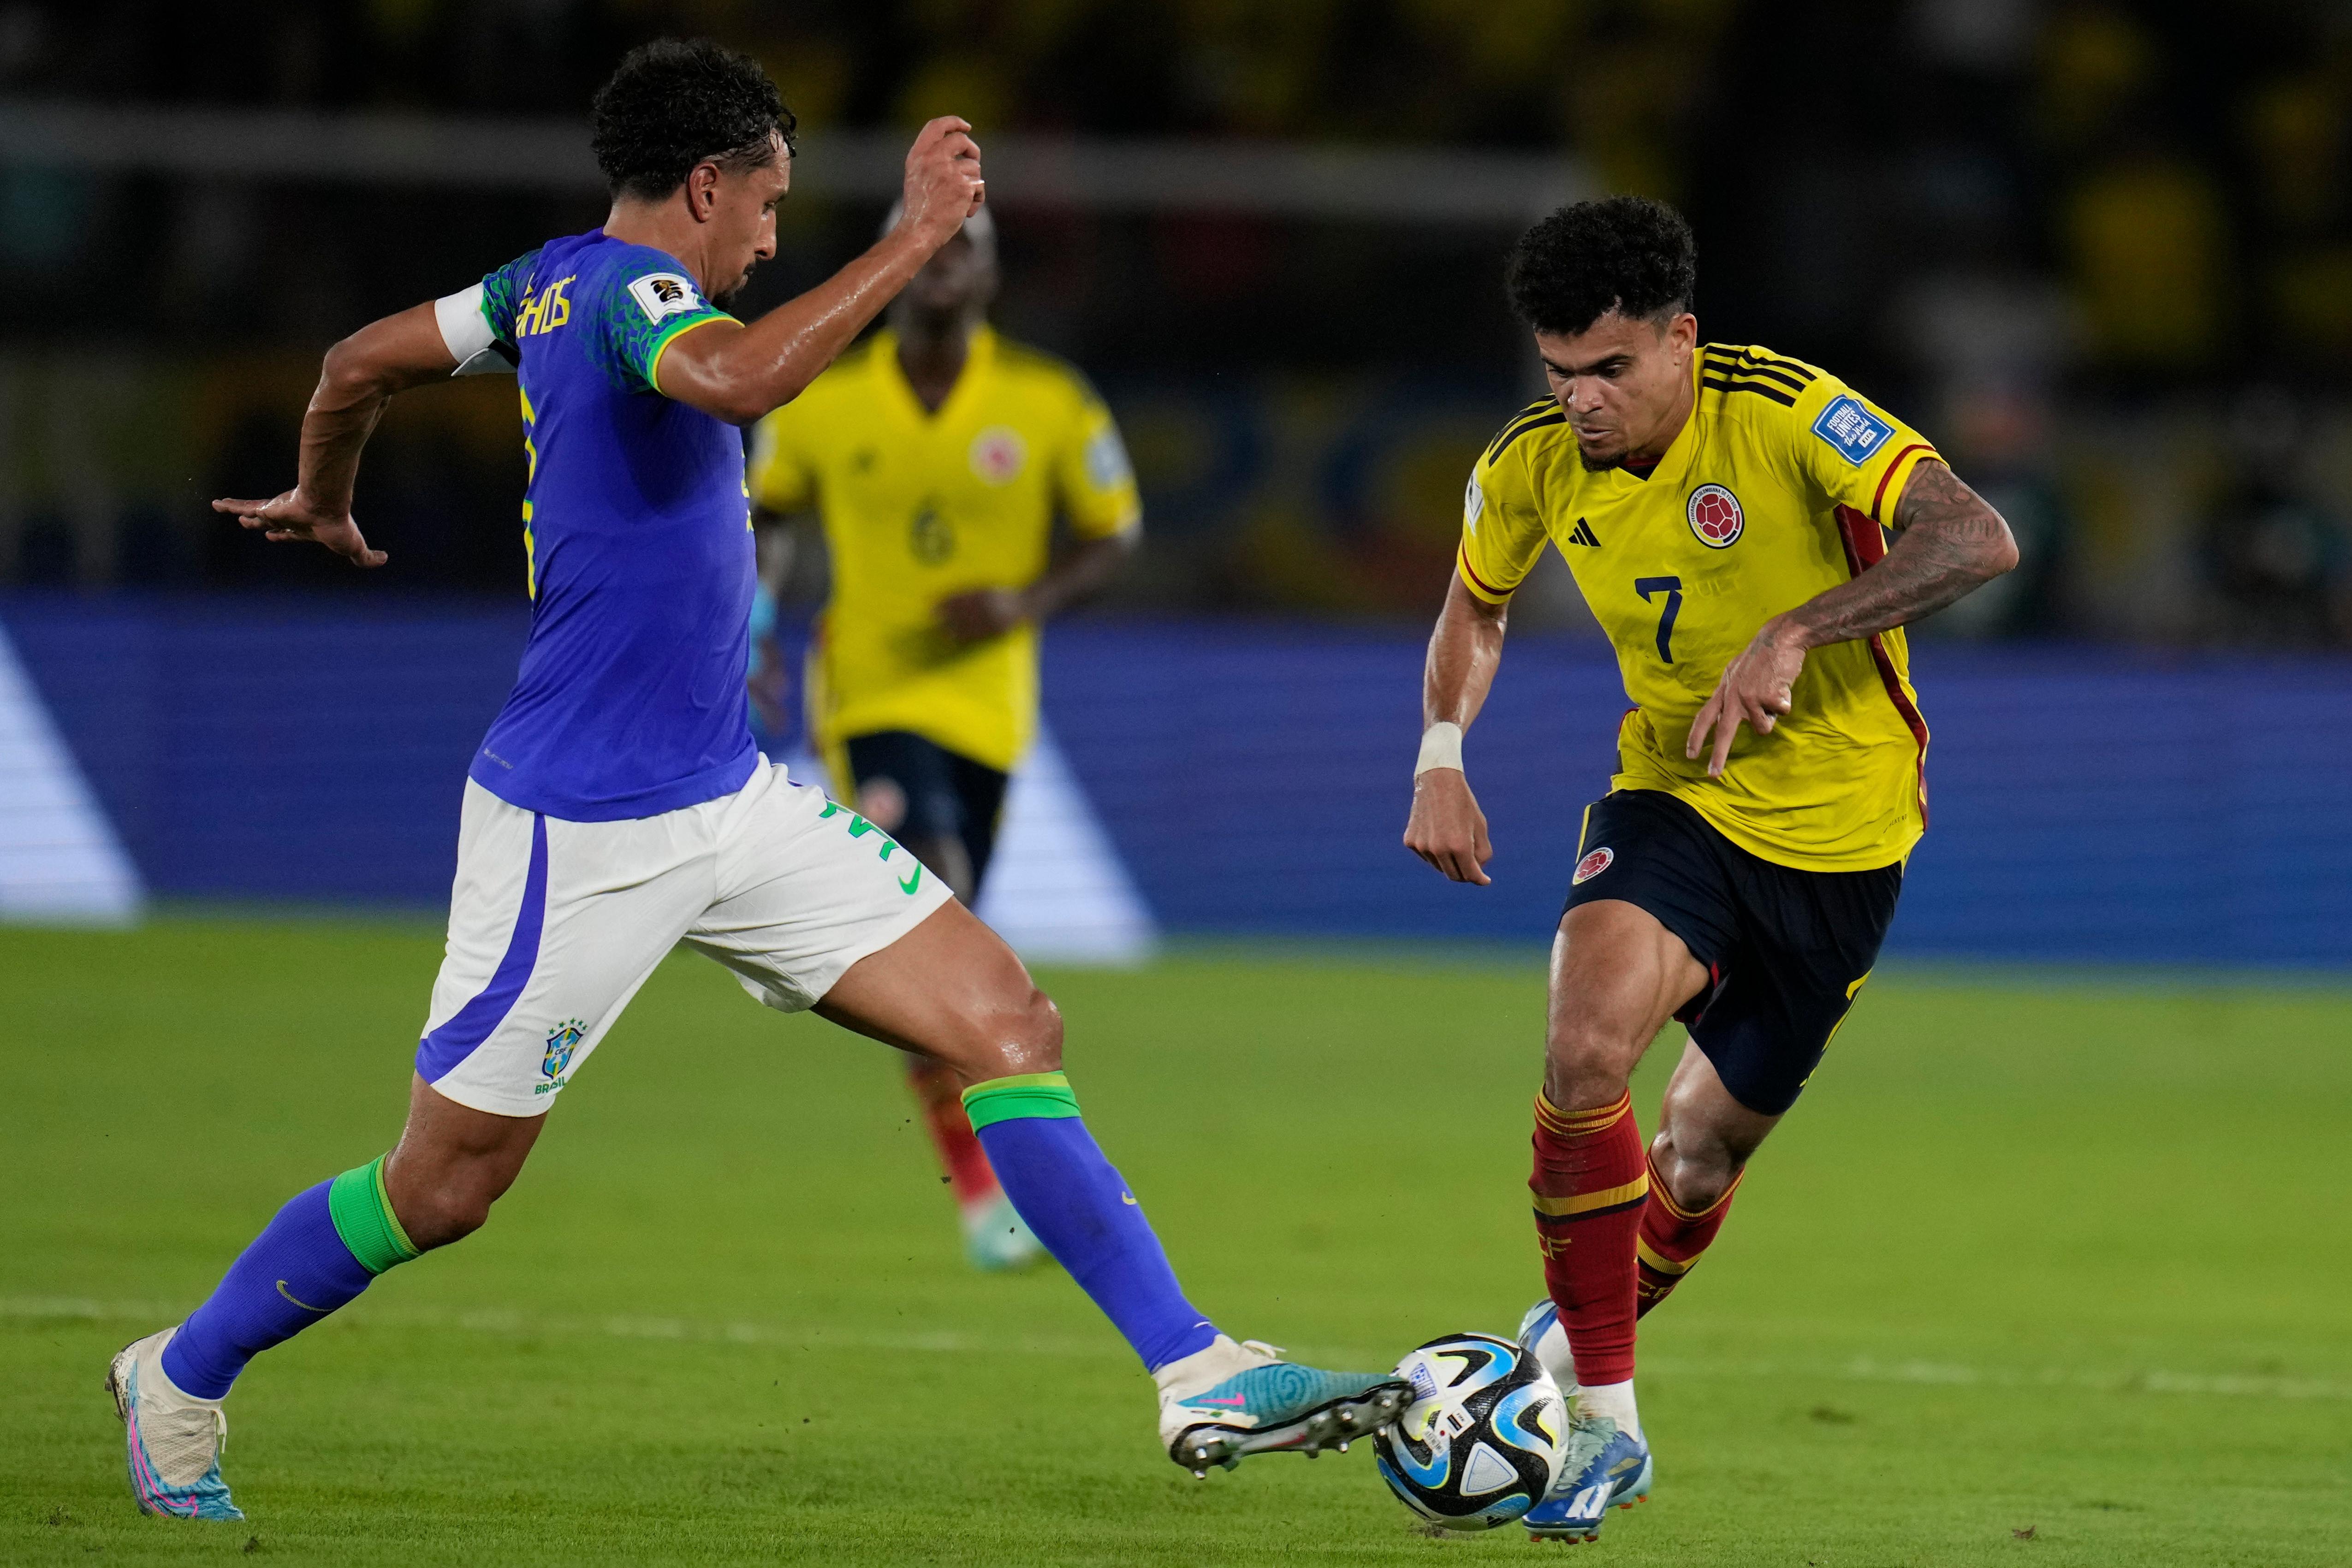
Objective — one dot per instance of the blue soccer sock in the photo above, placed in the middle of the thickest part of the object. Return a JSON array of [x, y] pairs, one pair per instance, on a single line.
[[323, 1248], [1082, 1211]]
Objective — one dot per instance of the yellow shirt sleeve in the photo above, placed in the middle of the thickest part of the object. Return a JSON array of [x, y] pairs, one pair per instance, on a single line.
[[1502, 525], [1092, 477], [783, 479], [1860, 455]]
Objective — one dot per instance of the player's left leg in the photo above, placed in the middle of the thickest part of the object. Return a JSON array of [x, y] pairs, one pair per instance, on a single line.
[[1696, 1162], [824, 919], [1809, 939], [321, 1251], [552, 927]]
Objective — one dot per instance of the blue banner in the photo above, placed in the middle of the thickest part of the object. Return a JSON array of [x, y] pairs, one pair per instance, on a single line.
[[2085, 804]]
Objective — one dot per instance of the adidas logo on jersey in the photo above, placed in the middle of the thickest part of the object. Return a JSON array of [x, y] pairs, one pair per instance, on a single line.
[[1582, 534]]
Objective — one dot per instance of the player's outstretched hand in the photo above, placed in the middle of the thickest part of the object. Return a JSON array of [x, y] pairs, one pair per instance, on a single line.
[[943, 183], [1447, 829], [1754, 691], [285, 518]]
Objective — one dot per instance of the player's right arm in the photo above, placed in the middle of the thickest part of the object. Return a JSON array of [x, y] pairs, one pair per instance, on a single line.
[[1502, 534], [1446, 827], [740, 372], [360, 376]]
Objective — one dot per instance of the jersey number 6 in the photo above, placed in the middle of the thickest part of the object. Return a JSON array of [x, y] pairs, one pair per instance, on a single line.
[[1672, 589]]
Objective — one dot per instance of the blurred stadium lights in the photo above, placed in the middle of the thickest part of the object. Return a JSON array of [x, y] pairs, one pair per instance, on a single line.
[[1402, 184]]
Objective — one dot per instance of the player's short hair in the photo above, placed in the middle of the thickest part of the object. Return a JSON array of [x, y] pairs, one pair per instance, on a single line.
[[672, 103], [1627, 254]]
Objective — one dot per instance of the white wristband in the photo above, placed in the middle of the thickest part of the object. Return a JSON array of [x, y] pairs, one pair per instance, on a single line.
[[1441, 747]]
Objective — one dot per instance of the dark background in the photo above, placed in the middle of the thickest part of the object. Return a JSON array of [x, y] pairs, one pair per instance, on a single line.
[[2101, 253]]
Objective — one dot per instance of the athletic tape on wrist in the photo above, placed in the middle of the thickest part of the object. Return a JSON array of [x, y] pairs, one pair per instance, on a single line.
[[1441, 747]]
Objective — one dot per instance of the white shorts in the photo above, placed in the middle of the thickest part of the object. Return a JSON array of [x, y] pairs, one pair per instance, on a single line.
[[553, 925]]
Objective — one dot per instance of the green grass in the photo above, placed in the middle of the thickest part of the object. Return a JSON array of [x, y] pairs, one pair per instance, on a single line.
[[2063, 1256]]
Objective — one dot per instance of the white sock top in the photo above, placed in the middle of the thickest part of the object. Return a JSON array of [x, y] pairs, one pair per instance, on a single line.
[[1614, 1400]]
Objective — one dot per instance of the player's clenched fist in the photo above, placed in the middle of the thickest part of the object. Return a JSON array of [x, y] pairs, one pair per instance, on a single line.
[[1447, 829], [943, 182]]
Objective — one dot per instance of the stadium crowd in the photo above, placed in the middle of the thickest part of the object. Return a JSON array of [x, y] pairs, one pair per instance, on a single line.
[[2103, 250]]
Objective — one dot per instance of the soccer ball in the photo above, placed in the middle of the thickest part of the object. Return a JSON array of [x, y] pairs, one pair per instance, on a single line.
[[1480, 1442]]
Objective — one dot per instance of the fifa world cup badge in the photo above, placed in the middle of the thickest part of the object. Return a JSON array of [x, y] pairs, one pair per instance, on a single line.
[[561, 1041]]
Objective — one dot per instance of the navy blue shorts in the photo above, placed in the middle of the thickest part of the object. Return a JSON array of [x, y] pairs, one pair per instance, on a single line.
[[948, 795], [1785, 950]]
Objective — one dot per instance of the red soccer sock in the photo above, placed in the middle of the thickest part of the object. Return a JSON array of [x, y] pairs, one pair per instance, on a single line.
[[961, 1155], [1591, 1178], [1672, 1239]]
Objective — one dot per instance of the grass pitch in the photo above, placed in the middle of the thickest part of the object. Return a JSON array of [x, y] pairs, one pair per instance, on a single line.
[[2037, 1273]]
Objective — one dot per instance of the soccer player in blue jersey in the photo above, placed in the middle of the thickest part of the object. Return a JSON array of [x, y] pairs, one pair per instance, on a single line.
[[618, 806]]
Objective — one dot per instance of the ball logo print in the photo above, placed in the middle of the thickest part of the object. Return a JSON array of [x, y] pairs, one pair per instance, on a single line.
[[1482, 1439], [1714, 516], [1592, 865]]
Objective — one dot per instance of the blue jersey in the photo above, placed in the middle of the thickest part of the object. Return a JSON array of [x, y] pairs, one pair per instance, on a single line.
[[637, 529]]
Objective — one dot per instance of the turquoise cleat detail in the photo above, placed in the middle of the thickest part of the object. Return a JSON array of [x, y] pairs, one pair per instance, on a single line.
[[997, 1240], [172, 1440], [1605, 1467], [1230, 1400]]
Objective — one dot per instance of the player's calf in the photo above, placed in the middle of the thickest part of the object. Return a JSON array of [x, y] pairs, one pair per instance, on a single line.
[[1697, 1164], [1673, 1236]]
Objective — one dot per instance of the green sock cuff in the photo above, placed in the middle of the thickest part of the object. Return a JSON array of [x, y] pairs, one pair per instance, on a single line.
[[361, 1211], [1032, 1094]]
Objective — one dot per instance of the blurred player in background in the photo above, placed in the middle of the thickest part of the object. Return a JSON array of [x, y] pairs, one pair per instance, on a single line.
[[936, 456], [1725, 512], [618, 806]]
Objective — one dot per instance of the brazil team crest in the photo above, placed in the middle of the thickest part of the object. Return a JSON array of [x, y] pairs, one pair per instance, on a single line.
[[561, 1041], [1714, 516]]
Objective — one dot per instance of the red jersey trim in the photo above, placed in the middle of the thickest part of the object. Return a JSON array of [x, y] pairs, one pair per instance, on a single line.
[[1886, 478], [1865, 546], [1462, 560]]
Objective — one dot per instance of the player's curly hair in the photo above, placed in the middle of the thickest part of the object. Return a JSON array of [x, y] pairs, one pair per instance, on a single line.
[[1628, 254], [672, 103]]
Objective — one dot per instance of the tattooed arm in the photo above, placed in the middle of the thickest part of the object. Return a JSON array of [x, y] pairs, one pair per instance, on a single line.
[[1948, 543]]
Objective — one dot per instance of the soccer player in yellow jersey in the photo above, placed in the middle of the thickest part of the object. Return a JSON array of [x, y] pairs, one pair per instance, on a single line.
[[1726, 512], [937, 456]]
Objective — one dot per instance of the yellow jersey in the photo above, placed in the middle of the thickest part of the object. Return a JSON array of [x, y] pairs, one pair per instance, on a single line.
[[1777, 487], [917, 506]]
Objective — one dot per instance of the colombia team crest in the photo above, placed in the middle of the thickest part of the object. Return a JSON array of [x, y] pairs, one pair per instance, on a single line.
[[1592, 865], [1714, 516], [997, 454]]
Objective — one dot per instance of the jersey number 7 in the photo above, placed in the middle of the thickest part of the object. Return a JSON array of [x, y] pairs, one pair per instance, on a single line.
[[1672, 589]]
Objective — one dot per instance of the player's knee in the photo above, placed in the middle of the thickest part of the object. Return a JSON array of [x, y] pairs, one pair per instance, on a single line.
[[449, 1207], [1589, 1061], [1697, 1171], [1023, 1036]]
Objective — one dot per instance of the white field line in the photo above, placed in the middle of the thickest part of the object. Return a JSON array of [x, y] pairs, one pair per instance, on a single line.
[[1861, 1369]]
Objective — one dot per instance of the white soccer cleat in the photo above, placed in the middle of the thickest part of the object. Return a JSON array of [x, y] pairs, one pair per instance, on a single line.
[[173, 1439], [1542, 1334], [1230, 1400]]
